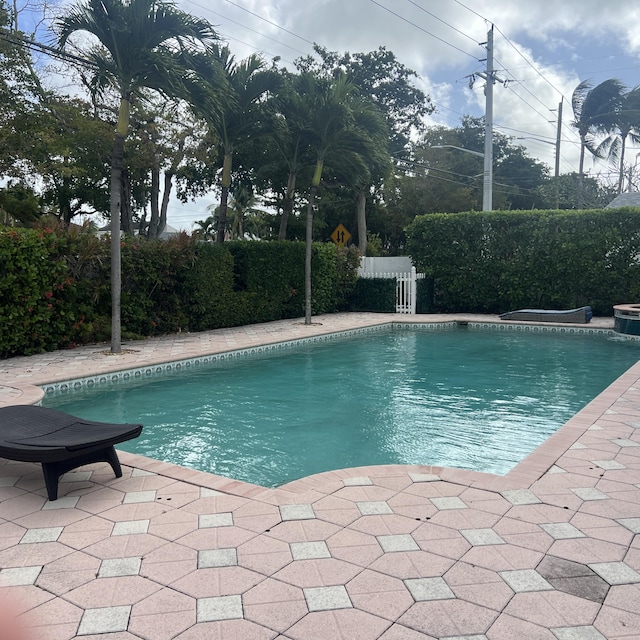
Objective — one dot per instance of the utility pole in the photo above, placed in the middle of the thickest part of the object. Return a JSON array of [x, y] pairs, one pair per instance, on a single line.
[[487, 190], [558, 134], [490, 78]]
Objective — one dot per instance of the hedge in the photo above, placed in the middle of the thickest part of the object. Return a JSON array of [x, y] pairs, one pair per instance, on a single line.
[[492, 262], [56, 287]]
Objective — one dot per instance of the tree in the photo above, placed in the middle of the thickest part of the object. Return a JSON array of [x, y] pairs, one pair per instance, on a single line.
[[594, 111], [139, 44], [626, 124], [241, 116], [338, 135], [388, 84]]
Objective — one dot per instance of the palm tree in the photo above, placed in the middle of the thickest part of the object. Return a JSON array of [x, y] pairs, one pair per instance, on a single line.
[[244, 211], [595, 110], [242, 116], [626, 125], [338, 131], [207, 228], [136, 45]]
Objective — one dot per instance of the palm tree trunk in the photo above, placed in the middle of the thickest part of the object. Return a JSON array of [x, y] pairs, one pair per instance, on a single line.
[[115, 205], [581, 175], [362, 222], [154, 221], [317, 176], [287, 207], [224, 196], [307, 255], [622, 150], [116, 265]]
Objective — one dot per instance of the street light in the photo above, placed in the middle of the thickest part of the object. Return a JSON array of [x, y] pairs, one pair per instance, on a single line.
[[487, 184], [452, 146]]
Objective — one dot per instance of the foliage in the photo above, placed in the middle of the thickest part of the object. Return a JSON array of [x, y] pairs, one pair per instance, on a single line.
[[56, 287], [374, 294], [37, 312], [493, 262]]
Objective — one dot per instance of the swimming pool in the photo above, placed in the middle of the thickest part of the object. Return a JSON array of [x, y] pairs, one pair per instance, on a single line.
[[474, 399]]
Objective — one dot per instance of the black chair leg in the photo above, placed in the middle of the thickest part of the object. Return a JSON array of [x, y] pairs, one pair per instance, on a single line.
[[53, 471]]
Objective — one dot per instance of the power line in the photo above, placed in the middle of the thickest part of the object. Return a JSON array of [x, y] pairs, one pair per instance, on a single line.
[[413, 24], [244, 26], [273, 24], [462, 33], [20, 40]]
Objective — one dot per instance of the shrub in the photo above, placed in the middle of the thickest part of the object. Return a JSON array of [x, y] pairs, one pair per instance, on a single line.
[[492, 262]]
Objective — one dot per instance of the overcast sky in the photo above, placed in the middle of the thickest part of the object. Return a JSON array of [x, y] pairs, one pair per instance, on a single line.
[[542, 49]]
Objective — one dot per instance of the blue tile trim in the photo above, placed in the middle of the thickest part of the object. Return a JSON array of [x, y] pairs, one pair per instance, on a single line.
[[158, 369]]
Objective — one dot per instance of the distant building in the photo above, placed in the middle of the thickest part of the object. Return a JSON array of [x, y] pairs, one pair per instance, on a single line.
[[625, 200], [169, 232]]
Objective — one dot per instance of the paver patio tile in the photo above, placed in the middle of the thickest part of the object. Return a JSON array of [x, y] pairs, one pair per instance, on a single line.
[[327, 598], [481, 537], [223, 629], [520, 496], [210, 520], [279, 617], [209, 558], [562, 530], [219, 608], [309, 550], [399, 632], [130, 527], [395, 543], [341, 623], [525, 580], [508, 627], [617, 623], [422, 589], [503, 557], [164, 625], [577, 633], [533, 530], [317, 573], [223, 581], [379, 525], [112, 592], [587, 550], [297, 512], [216, 538], [552, 609], [16, 576], [442, 618], [104, 620], [616, 572], [116, 567], [303, 530]]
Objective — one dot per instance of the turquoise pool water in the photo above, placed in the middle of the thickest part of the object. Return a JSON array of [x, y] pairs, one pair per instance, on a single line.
[[473, 399]]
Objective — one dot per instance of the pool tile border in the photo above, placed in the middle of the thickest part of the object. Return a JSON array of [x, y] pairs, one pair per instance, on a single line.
[[148, 371]]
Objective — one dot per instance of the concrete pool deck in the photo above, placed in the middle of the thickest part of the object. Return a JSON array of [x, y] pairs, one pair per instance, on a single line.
[[549, 551]]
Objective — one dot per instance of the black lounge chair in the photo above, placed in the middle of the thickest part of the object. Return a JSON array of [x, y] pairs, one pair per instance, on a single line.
[[581, 315], [59, 441]]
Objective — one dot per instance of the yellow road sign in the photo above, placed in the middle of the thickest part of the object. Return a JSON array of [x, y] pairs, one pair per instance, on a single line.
[[340, 235]]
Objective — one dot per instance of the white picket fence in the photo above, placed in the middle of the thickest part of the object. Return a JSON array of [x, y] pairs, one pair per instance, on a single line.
[[406, 287]]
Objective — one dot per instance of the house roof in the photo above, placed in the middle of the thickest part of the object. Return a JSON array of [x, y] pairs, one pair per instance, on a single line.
[[625, 200]]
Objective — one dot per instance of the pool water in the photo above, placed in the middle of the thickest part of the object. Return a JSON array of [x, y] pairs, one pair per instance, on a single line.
[[472, 399]]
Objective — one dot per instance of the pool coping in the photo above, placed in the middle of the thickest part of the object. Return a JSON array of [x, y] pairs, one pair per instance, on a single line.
[[524, 474], [407, 551]]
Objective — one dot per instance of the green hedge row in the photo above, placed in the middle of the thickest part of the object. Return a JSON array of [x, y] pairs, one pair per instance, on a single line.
[[55, 289], [493, 262]]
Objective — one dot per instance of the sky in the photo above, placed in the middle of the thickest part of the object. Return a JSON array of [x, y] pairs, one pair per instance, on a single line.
[[542, 51]]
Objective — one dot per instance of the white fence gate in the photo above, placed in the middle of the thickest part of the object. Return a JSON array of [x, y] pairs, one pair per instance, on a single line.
[[406, 283]]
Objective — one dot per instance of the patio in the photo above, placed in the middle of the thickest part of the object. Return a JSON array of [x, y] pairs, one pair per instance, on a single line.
[[391, 552]]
